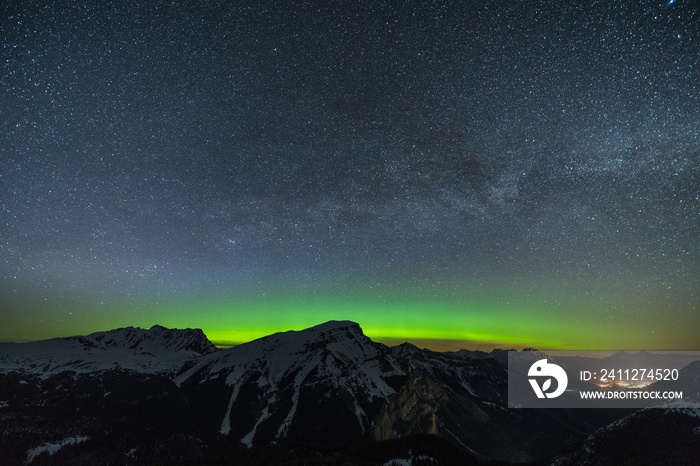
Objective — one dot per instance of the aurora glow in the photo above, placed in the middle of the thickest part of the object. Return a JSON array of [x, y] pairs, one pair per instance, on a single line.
[[451, 174]]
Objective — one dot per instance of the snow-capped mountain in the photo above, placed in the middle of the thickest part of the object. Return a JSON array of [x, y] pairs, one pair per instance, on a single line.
[[323, 382], [133, 395], [158, 350], [332, 383]]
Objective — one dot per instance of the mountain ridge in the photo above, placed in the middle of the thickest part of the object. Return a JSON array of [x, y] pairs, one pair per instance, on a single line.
[[156, 350], [327, 384]]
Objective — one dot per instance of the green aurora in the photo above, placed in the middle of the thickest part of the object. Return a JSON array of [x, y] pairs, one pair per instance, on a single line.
[[482, 317]]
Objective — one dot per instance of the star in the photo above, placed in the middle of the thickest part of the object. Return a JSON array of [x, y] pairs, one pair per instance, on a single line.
[[421, 167]]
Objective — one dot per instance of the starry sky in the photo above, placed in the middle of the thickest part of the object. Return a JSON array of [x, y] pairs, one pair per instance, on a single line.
[[469, 174]]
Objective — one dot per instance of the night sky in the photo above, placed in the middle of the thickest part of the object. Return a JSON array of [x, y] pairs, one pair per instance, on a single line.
[[469, 174]]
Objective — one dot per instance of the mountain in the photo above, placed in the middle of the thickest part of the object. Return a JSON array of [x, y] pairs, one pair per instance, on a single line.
[[688, 382], [323, 383], [668, 435], [166, 395], [158, 350], [331, 383]]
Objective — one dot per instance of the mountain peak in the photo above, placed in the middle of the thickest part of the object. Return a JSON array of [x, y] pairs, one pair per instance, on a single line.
[[156, 338], [331, 330], [335, 325]]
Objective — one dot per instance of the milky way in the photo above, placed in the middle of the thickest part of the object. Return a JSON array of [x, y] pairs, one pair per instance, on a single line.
[[522, 173]]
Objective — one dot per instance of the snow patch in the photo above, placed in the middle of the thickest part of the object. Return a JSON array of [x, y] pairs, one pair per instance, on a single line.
[[399, 462], [691, 408], [263, 382], [488, 403], [248, 439], [359, 414], [466, 385], [226, 423], [409, 461], [52, 448], [298, 381]]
